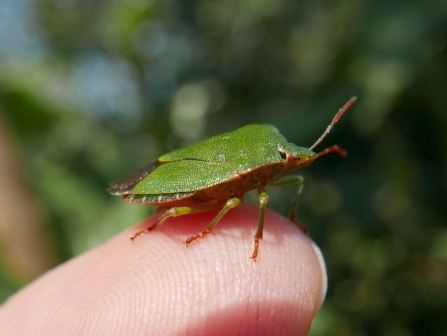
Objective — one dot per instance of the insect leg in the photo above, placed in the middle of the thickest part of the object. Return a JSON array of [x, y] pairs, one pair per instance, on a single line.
[[174, 212], [293, 179], [230, 204], [263, 199]]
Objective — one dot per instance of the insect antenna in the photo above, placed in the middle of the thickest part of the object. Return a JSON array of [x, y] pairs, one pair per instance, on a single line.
[[334, 121], [333, 149]]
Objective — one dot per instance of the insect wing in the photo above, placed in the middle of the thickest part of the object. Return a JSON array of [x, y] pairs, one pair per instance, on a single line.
[[184, 176], [125, 186]]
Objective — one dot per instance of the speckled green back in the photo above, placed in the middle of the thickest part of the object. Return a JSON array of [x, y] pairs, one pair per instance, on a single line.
[[213, 161], [184, 176], [254, 145], [211, 149]]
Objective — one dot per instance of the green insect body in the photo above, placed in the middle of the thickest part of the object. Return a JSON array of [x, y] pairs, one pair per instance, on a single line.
[[217, 172]]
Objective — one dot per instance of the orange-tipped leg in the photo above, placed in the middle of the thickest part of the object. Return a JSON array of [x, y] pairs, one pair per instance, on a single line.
[[293, 179], [174, 212], [263, 199], [230, 204], [200, 235], [255, 249], [141, 232]]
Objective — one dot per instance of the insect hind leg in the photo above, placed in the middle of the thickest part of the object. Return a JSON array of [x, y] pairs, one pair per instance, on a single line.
[[175, 212], [230, 204]]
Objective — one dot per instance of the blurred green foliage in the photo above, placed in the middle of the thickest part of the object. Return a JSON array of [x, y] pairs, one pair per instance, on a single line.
[[93, 90]]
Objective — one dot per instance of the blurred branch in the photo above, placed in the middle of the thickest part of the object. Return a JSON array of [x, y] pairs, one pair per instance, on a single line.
[[26, 249]]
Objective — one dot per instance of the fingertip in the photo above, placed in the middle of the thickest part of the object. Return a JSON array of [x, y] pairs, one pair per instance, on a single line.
[[156, 285], [289, 273], [324, 280]]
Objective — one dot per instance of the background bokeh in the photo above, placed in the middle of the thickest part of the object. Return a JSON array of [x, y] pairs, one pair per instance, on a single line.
[[92, 90]]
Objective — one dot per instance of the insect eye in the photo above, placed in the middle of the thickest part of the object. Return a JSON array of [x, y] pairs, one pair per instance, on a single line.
[[280, 149]]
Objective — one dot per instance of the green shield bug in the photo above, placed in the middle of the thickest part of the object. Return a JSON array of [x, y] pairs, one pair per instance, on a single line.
[[217, 172]]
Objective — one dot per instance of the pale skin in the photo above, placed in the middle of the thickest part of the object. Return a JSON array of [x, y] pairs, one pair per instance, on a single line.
[[157, 286]]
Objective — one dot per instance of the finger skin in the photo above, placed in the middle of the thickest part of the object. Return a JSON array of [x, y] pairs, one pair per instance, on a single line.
[[157, 286]]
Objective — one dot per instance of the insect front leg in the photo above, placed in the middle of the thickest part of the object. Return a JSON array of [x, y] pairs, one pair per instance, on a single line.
[[174, 212], [263, 199], [293, 179], [230, 204]]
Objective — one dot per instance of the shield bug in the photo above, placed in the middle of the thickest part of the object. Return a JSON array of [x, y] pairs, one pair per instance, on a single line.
[[217, 172]]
